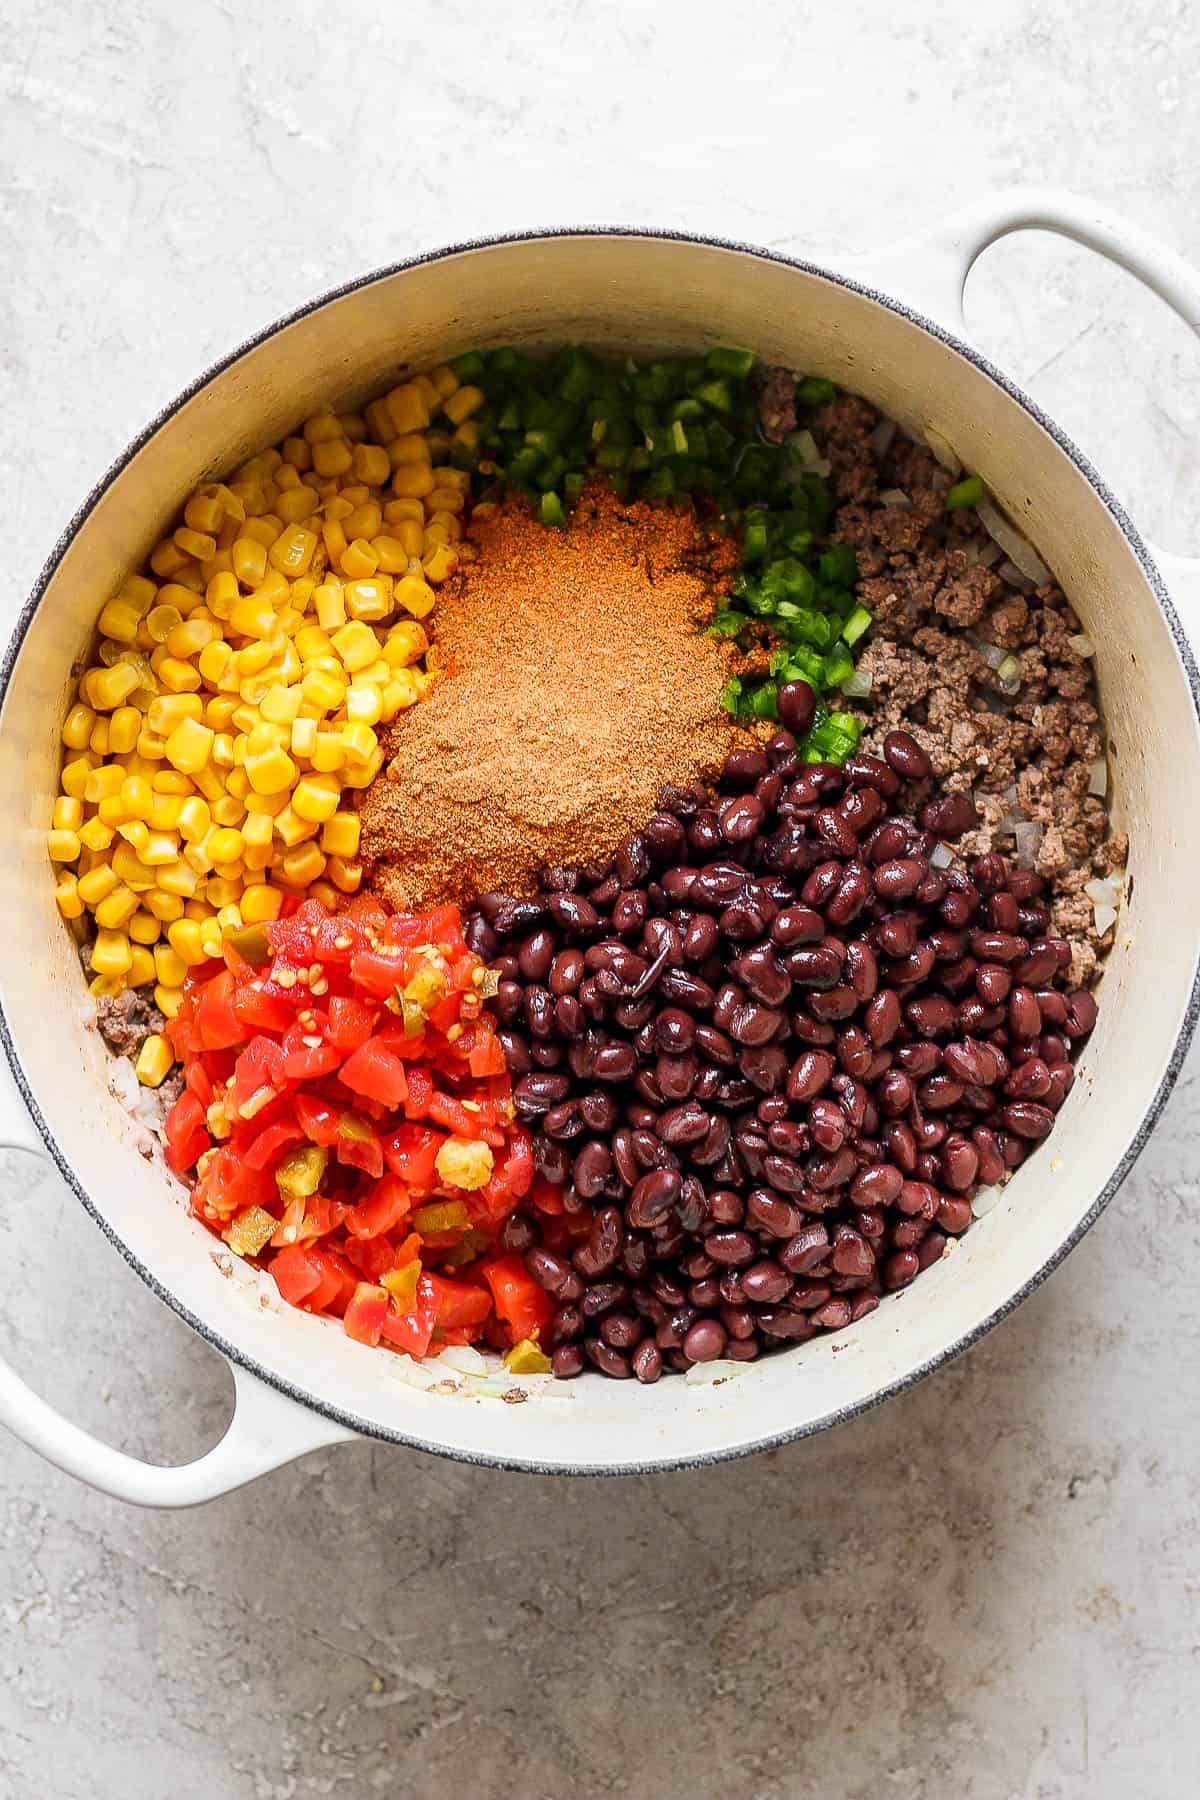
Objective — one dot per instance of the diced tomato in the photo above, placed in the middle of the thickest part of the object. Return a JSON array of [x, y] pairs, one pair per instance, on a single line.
[[307, 1055], [458, 1119], [388, 1202], [366, 1312], [318, 1118], [546, 1196], [357, 1144], [198, 1081], [524, 1307], [420, 1093], [216, 1020], [350, 1022], [486, 1055], [373, 1070], [266, 1147], [458, 1302], [186, 1132], [380, 972], [411, 1152], [229, 1185], [372, 1257], [338, 1281], [262, 1009], [259, 1071], [413, 1329], [296, 1274]]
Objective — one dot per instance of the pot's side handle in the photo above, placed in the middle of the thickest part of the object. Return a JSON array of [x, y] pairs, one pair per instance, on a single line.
[[931, 271], [266, 1430]]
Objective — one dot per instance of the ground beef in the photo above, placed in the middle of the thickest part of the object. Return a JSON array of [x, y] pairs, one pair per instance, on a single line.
[[777, 404], [126, 1020], [936, 610]]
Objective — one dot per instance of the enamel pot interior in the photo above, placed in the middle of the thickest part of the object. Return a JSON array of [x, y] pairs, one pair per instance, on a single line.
[[642, 294]]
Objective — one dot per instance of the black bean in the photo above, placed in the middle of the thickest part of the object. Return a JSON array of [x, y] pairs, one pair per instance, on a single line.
[[797, 705]]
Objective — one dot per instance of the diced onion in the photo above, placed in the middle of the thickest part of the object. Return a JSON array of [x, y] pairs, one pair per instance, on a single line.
[[1008, 674], [1017, 548], [412, 1373], [943, 450], [811, 462], [1028, 833], [992, 655], [491, 1387], [985, 1200], [1082, 644], [1098, 777], [1104, 891], [1106, 916], [704, 1374], [1010, 793], [881, 437], [894, 497], [858, 685], [463, 1358], [941, 856], [1009, 572]]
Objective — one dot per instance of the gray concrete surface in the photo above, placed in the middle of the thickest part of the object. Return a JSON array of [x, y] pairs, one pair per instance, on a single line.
[[986, 1589]]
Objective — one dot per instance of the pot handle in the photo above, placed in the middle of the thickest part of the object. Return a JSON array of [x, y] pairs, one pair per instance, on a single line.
[[266, 1430], [931, 270]]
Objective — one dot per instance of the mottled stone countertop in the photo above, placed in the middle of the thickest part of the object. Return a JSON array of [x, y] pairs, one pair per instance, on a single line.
[[988, 1587]]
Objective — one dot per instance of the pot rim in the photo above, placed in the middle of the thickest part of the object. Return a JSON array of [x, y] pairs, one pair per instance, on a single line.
[[836, 1415]]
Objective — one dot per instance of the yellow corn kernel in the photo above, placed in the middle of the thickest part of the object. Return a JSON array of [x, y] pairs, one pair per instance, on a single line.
[[63, 846], [301, 865], [408, 409], [446, 500], [116, 910], [364, 704], [135, 832], [66, 894], [332, 457], [359, 741], [144, 928], [271, 771], [183, 936], [95, 835], [218, 716], [304, 737], [162, 847], [177, 676], [251, 659], [427, 392], [107, 987], [164, 811], [372, 464], [329, 606], [170, 710], [462, 403], [358, 559], [440, 564], [141, 967], [107, 688], [220, 891], [119, 620], [170, 781], [198, 544], [293, 505], [444, 380], [222, 591], [322, 428], [189, 746], [194, 820], [151, 746], [164, 906], [356, 645], [228, 813], [112, 953], [154, 1061], [412, 481], [399, 694], [252, 616], [415, 596], [345, 874], [292, 550], [249, 559], [99, 740], [103, 783], [260, 903], [391, 554], [237, 783], [316, 797], [129, 866], [370, 600], [360, 774], [167, 559], [297, 453], [328, 754], [190, 637], [136, 797], [168, 1000], [97, 884], [225, 845], [341, 834], [169, 966], [405, 643], [204, 511], [178, 878], [77, 727], [67, 814], [281, 704], [124, 728], [222, 750], [334, 540]]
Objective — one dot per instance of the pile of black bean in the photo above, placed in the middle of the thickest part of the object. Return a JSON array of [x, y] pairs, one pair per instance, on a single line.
[[768, 1052]]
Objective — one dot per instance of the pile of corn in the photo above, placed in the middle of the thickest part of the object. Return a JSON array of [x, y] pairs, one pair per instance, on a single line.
[[238, 683]]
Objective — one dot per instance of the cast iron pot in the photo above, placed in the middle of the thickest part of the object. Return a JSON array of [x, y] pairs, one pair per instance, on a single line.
[[300, 1381]]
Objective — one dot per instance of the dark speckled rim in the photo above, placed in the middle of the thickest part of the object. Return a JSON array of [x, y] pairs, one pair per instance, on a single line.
[[836, 1415]]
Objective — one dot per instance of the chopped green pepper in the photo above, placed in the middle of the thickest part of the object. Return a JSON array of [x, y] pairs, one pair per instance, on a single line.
[[252, 943], [968, 492], [301, 1171]]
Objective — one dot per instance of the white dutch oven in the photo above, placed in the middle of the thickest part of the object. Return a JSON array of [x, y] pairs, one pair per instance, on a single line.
[[301, 1382]]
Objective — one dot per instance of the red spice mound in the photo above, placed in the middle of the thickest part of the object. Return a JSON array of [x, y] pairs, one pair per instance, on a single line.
[[577, 684]]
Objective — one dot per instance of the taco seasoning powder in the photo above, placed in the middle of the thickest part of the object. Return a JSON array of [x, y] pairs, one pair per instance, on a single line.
[[576, 684]]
